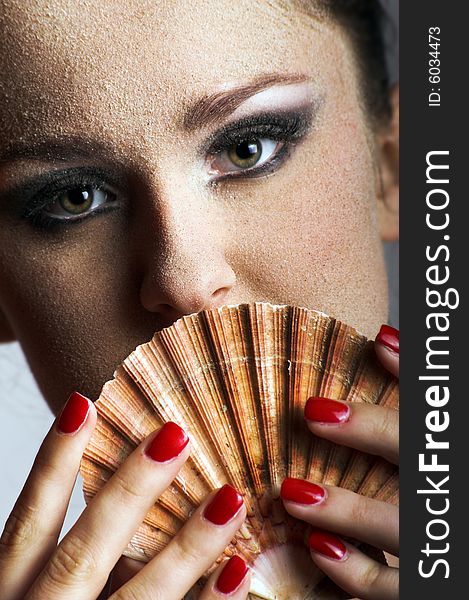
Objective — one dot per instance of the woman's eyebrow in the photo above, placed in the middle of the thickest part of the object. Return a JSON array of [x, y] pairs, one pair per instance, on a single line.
[[220, 105], [55, 149], [203, 112]]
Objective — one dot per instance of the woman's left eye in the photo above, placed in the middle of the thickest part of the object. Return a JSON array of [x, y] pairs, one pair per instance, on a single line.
[[245, 155], [78, 202]]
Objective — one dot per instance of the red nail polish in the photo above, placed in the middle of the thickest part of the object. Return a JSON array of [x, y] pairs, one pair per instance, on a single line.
[[301, 491], [168, 443], [73, 414], [232, 575], [389, 337], [324, 410], [224, 505], [327, 544]]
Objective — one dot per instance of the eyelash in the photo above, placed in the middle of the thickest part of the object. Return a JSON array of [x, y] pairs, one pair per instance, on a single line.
[[68, 180], [287, 129]]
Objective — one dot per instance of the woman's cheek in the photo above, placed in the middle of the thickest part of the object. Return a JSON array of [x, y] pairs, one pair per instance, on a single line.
[[80, 313], [309, 237], [341, 227], [315, 262]]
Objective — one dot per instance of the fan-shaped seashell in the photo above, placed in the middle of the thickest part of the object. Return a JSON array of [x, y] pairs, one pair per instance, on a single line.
[[237, 379]]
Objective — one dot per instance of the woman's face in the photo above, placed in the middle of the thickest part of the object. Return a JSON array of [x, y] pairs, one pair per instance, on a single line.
[[134, 188]]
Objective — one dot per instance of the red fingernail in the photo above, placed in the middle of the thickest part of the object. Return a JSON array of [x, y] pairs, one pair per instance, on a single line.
[[232, 575], [73, 414], [301, 491], [327, 544], [389, 337], [324, 410], [224, 505], [169, 442]]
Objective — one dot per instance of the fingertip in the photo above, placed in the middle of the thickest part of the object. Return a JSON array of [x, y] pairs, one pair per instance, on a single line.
[[351, 570], [327, 544], [387, 348], [92, 416], [169, 443], [77, 413], [226, 505], [234, 576], [301, 494], [389, 338], [388, 358], [326, 411]]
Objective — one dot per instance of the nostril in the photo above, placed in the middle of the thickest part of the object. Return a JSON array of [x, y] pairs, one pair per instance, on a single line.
[[188, 305], [169, 314], [178, 291], [219, 296]]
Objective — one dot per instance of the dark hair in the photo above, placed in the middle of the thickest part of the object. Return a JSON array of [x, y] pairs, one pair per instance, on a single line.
[[363, 21]]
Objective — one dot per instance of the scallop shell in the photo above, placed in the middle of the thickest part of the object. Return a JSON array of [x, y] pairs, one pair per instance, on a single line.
[[237, 378]]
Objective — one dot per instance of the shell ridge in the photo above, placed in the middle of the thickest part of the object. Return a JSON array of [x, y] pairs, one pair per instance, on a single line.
[[237, 378]]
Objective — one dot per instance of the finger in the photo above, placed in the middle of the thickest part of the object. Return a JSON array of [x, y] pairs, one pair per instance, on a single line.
[[32, 530], [231, 579], [352, 570], [81, 563], [366, 427], [343, 512], [192, 551], [387, 348]]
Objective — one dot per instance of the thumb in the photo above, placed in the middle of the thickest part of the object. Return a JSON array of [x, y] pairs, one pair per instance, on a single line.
[[387, 348]]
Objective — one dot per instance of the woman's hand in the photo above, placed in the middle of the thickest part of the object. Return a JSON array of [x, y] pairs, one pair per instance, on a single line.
[[372, 429], [34, 566]]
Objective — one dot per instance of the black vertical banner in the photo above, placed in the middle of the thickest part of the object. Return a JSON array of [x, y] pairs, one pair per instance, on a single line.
[[433, 307]]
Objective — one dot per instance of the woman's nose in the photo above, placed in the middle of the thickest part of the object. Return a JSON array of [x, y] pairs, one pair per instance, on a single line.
[[185, 267]]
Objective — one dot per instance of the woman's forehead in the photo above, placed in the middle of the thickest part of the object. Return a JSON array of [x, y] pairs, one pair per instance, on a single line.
[[89, 64]]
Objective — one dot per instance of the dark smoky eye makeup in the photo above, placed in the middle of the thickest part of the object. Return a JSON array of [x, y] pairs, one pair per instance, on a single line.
[[54, 200], [31, 199], [286, 127]]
